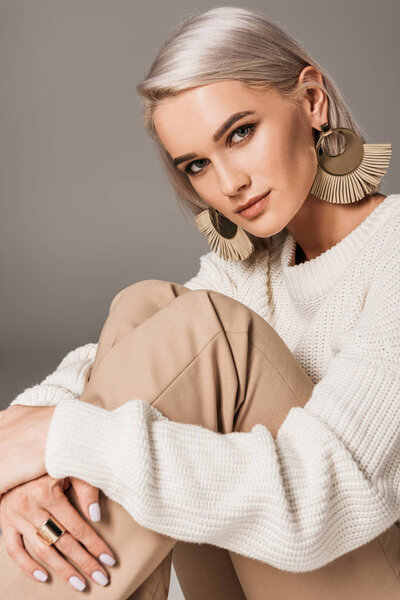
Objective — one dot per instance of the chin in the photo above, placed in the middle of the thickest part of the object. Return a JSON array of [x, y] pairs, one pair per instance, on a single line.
[[264, 230]]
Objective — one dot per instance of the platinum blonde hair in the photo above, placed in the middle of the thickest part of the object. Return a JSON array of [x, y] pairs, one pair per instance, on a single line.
[[229, 42]]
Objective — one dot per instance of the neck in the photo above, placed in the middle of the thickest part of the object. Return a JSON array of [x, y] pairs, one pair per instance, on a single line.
[[319, 225]]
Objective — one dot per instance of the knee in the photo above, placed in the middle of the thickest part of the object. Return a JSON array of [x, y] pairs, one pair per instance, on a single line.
[[128, 294], [134, 288], [204, 299]]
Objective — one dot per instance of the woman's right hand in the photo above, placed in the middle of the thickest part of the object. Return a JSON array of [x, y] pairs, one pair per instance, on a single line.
[[27, 506]]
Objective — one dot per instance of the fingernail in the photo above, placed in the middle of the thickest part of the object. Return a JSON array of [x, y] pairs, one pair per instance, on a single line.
[[94, 511], [40, 575], [100, 577], [77, 583], [107, 559]]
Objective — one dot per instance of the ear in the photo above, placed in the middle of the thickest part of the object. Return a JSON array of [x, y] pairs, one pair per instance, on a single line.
[[315, 100]]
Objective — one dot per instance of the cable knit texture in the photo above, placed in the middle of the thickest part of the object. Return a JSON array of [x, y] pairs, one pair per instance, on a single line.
[[330, 481]]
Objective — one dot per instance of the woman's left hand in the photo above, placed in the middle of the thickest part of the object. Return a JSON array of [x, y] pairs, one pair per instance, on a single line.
[[23, 434]]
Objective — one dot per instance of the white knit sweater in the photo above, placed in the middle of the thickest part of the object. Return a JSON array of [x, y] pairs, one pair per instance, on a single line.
[[330, 482]]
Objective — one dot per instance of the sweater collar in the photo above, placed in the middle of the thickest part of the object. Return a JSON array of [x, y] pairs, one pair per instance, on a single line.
[[315, 276]]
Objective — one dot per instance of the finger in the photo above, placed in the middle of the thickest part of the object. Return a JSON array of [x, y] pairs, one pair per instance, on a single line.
[[69, 545], [52, 558], [16, 550], [88, 497], [64, 483], [82, 531]]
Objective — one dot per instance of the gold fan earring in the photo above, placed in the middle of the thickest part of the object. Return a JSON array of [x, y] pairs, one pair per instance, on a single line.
[[226, 238], [351, 175]]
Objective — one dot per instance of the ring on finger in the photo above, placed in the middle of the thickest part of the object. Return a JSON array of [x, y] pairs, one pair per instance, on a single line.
[[50, 531]]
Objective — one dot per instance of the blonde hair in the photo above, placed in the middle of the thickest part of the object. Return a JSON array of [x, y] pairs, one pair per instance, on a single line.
[[229, 42]]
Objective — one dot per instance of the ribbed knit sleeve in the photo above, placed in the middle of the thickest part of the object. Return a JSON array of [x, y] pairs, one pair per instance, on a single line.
[[328, 483], [67, 381]]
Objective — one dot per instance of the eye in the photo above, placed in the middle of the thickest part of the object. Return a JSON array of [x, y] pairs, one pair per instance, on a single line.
[[188, 168], [250, 127]]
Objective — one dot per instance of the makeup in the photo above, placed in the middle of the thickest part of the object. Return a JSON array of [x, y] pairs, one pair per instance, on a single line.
[[255, 208]]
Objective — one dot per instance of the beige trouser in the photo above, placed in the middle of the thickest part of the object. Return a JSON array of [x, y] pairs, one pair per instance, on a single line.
[[201, 357]]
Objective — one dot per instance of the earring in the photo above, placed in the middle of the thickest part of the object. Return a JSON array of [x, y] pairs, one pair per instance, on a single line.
[[354, 173], [226, 238]]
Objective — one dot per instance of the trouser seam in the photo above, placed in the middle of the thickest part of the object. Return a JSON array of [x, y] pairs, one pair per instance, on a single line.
[[387, 559], [187, 365], [271, 362], [145, 292], [158, 585], [261, 352], [279, 372]]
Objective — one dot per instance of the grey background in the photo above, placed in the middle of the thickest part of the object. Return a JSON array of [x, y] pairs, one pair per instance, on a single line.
[[86, 208]]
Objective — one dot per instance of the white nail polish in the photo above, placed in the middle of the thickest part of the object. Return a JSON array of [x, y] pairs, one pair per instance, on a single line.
[[94, 511], [40, 575], [77, 583], [100, 577], [107, 559]]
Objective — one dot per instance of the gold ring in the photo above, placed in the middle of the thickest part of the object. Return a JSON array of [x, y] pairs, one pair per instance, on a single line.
[[51, 531]]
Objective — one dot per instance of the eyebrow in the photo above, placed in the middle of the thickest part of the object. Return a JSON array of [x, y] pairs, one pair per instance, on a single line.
[[217, 135]]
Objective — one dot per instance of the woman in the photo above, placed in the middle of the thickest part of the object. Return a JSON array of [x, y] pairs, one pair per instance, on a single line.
[[246, 422]]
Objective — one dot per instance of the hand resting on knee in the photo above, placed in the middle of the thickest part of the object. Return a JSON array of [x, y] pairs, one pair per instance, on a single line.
[[27, 506]]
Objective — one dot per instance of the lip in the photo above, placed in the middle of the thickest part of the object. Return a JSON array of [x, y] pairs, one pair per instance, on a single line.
[[255, 208], [252, 201]]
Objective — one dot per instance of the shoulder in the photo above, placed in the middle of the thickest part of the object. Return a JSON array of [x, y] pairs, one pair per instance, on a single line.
[[380, 235], [387, 243]]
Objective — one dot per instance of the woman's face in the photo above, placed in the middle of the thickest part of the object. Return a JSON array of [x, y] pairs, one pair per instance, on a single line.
[[270, 149]]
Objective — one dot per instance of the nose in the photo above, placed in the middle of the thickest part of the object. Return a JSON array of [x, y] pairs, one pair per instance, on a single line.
[[232, 179]]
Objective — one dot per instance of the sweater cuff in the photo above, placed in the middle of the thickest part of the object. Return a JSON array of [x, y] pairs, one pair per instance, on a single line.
[[42, 395], [79, 441]]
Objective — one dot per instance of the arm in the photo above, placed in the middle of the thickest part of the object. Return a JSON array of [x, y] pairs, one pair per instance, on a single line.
[[326, 485], [67, 381]]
